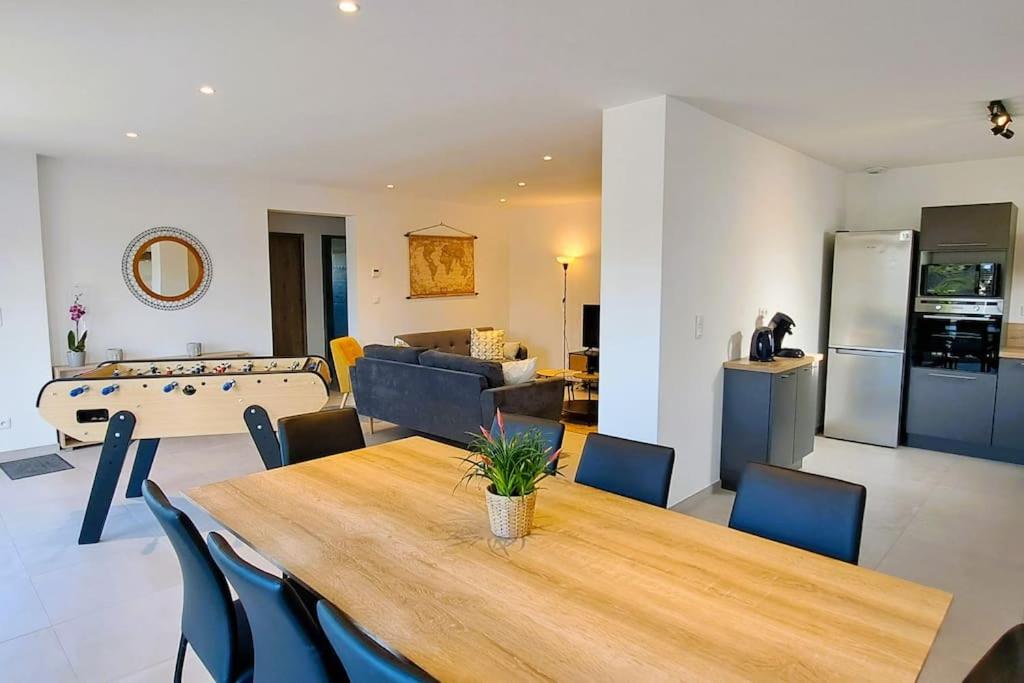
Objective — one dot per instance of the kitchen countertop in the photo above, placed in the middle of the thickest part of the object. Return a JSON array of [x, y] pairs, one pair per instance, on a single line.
[[774, 366], [1016, 352]]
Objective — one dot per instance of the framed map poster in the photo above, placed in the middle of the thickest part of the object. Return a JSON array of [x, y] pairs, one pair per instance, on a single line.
[[441, 265]]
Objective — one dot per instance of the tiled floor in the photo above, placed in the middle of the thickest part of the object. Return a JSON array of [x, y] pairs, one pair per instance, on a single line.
[[110, 611]]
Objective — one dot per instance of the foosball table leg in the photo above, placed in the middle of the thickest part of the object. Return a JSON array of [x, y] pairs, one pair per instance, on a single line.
[[108, 471], [144, 454], [262, 432]]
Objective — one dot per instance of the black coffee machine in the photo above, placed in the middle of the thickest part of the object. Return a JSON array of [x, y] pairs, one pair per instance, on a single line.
[[781, 325]]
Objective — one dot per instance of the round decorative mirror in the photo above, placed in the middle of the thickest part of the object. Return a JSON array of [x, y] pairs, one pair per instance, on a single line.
[[167, 268]]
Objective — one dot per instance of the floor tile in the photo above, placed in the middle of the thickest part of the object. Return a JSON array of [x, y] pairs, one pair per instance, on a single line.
[[111, 643], [193, 672], [85, 587], [36, 658], [21, 611]]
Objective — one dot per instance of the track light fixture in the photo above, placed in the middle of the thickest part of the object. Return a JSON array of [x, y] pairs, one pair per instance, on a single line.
[[1000, 119]]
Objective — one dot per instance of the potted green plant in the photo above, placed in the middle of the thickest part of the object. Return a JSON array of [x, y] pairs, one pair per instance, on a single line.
[[513, 466], [76, 341]]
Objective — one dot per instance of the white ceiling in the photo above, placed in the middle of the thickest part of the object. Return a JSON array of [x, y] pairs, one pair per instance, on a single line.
[[459, 99]]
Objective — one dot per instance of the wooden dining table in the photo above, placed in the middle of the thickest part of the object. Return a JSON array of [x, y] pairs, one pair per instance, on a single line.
[[604, 588]]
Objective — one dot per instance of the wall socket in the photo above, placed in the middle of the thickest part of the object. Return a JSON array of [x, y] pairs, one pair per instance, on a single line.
[[5, 422]]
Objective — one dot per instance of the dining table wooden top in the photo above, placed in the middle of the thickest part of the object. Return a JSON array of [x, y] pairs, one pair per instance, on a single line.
[[605, 588]]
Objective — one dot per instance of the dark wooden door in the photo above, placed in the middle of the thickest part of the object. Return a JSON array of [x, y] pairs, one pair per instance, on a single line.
[[288, 294]]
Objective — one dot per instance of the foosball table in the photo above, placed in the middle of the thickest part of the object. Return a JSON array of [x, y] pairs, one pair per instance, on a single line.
[[119, 402]]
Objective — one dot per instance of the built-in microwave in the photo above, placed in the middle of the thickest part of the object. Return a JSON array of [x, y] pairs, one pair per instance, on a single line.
[[960, 279]]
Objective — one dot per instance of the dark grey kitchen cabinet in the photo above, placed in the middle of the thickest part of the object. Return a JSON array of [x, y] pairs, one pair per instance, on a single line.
[[767, 417], [806, 413], [968, 227], [951, 405], [782, 420], [1008, 427]]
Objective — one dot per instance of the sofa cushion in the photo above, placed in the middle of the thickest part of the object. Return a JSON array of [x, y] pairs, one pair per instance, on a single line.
[[399, 354], [519, 371], [489, 370]]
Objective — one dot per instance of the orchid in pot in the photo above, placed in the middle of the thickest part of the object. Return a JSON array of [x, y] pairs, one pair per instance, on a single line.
[[513, 465], [76, 339]]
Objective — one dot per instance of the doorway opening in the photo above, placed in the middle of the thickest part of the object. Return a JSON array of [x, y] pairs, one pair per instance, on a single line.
[[308, 282]]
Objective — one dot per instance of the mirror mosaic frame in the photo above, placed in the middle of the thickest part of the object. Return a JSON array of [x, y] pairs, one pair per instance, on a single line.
[[164, 303]]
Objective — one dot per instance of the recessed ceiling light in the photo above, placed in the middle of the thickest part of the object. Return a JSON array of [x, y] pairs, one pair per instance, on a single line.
[[875, 170], [131, 135], [348, 7], [548, 157], [390, 186], [503, 200], [207, 89], [521, 184]]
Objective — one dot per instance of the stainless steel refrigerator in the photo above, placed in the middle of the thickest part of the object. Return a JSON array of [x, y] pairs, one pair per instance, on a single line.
[[867, 340]]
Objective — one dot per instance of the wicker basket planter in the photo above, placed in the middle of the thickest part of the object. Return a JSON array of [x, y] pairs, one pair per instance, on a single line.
[[511, 516]]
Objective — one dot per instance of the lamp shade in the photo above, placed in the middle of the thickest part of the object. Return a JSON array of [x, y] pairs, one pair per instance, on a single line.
[[565, 260]]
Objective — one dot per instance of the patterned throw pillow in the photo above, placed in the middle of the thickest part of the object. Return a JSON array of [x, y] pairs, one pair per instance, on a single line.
[[487, 344]]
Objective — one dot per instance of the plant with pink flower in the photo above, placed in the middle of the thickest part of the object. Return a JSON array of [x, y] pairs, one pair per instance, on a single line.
[[513, 464], [76, 341]]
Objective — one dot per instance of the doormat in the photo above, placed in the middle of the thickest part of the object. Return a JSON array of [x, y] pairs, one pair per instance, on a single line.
[[31, 467]]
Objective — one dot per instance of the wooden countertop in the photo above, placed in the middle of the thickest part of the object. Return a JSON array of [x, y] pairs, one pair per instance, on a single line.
[[774, 366], [1016, 352], [604, 589]]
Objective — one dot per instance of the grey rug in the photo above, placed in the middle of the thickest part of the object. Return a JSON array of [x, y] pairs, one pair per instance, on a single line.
[[31, 467]]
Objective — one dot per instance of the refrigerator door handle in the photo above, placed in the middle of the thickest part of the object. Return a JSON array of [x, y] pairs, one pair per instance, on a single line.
[[866, 352]]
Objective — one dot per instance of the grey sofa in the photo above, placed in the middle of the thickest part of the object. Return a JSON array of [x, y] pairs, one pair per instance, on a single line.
[[444, 394], [449, 341]]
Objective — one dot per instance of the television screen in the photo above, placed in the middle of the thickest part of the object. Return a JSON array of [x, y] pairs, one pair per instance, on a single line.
[[591, 326]]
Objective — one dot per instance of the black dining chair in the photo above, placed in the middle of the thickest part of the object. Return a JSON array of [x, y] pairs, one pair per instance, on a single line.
[[288, 644], [211, 622], [365, 660], [1004, 661], [551, 431], [637, 470], [315, 435], [808, 511]]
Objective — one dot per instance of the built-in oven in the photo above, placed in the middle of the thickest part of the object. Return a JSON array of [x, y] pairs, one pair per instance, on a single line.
[[956, 334], [976, 280]]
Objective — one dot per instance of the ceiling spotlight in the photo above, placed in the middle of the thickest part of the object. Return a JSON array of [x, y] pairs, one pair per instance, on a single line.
[[207, 89], [521, 184], [875, 170], [1000, 119], [390, 186], [503, 200], [131, 135], [547, 157], [348, 7]]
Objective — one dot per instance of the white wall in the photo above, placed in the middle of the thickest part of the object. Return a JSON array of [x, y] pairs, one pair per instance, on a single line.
[[312, 228], [745, 228], [743, 225], [91, 210], [24, 340], [894, 200], [632, 226], [536, 237]]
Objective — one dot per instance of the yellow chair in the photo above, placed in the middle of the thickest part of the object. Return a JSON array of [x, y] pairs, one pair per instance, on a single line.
[[345, 351]]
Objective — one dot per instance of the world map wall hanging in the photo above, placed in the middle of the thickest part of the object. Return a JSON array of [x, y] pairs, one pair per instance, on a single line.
[[441, 265]]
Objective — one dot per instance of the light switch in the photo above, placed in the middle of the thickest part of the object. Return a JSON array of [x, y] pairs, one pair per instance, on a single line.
[[698, 326], [376, 299], [374, 272]]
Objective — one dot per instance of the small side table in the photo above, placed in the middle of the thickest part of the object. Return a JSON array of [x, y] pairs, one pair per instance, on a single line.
[[577, 410]]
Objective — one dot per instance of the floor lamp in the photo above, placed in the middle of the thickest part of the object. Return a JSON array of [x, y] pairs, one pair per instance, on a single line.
[[565, 261]]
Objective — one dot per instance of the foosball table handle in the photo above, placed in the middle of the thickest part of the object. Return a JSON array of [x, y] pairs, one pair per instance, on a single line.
[[168, 388], [78, 391], [106, 391], [228, 386]]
